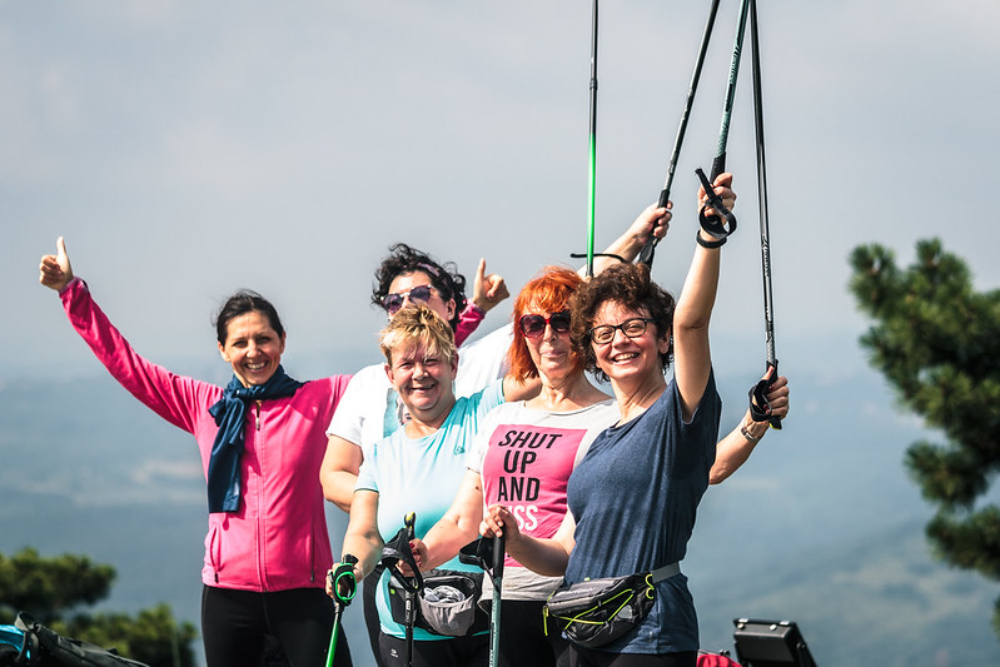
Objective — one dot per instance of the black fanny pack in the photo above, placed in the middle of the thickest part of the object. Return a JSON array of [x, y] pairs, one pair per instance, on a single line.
[[595, 612], [447, 604]]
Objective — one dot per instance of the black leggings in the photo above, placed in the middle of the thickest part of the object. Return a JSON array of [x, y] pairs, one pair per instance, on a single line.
[[234, 623], [456, 652], [522, 635], [369, 587]]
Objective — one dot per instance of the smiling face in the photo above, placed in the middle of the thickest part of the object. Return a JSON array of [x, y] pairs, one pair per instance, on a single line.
[[627, 360], [252, 347], [424, 378], [405, 282]]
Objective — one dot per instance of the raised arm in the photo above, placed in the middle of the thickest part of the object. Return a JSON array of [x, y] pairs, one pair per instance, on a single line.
[[653, 221], [487, 292], [180, 400], [692, 357]]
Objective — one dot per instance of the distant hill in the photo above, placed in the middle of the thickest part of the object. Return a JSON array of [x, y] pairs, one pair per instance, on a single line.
[[820, 527]]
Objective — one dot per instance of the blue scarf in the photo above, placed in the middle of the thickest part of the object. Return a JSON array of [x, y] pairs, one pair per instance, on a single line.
[[229, 414]]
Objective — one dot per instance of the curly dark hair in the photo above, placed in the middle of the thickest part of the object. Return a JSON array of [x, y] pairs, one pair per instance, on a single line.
[[630, 286], [403, 259]]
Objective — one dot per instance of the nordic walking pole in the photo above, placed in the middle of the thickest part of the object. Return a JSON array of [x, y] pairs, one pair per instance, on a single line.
[[713, 224], [648, 250], [410, 603], [341, 579], [395, 550], [762, 387], [592, 148], [497, 576]]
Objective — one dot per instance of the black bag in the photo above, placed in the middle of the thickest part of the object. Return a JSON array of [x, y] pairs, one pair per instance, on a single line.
[[596, 612], [11, 646], [50, 649], [447, 604]]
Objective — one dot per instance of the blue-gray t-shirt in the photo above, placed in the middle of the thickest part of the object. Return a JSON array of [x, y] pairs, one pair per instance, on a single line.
[[634, 497]]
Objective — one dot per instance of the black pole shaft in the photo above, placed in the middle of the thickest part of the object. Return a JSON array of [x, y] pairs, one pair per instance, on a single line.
[[765, 232], [647, 252], [410, 521], [692, 90], [719, 164], [499, 553]]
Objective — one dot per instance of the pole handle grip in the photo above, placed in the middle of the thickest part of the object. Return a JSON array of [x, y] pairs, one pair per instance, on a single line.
[[499, 553], [649, 248], [722, 223], [760, 408]]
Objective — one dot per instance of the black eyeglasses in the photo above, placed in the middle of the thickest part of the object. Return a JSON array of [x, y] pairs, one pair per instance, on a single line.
[[633, 328], [419, 294], [533, 326]]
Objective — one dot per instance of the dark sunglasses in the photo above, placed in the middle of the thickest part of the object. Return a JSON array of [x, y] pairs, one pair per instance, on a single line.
[[420, 294], [533, 326]]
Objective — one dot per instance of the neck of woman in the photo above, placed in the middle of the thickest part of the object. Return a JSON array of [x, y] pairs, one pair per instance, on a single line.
[[425, 423], [565, 394], [633, 400]]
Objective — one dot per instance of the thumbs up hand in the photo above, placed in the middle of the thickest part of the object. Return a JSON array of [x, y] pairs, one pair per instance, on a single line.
[[55, 271]]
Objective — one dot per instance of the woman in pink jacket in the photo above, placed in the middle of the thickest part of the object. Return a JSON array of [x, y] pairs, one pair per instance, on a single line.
[[261, 440]]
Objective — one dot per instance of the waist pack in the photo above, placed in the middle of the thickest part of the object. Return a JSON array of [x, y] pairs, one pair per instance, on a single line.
[[595, 612], [447, 604], [43, 647]]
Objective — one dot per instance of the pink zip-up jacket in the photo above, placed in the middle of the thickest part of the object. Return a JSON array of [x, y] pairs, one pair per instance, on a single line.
[[278, 539]]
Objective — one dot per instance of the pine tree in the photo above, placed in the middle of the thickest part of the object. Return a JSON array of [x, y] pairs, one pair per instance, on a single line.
[[937, 341], [52, 589]]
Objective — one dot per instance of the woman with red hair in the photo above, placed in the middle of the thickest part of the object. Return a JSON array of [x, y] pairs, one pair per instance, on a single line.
[[525, 451], [523, 456]]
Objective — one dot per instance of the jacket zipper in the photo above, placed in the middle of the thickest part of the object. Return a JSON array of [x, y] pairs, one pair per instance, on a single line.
[[260, 518]]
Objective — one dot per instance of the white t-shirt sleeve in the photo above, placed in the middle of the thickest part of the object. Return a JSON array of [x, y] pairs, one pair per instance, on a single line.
[[483, 361], [362, 402]]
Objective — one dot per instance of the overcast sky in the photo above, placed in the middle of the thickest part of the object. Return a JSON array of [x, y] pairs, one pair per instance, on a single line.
[[187, 149]]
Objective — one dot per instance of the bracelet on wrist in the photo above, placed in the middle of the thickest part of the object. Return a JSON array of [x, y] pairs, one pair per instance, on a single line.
[[753, 439]]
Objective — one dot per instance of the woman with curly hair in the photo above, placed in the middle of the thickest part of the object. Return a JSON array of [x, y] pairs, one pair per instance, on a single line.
[[633, 497], [525, 452]]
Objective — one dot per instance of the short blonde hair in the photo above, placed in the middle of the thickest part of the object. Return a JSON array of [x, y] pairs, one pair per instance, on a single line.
[[415, 325]]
